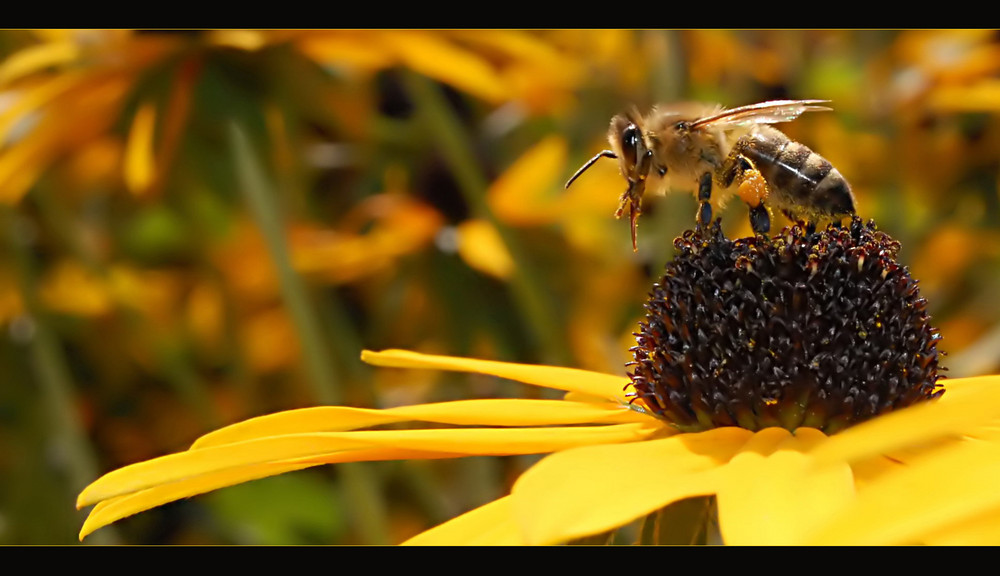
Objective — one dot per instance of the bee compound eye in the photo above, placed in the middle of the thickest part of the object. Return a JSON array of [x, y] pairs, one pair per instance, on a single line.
[[630, 144]]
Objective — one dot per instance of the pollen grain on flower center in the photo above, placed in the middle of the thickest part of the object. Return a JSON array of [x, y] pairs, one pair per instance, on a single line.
[[820, 329]]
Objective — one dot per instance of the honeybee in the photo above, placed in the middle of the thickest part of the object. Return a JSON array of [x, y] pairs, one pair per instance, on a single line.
[[693, 144]]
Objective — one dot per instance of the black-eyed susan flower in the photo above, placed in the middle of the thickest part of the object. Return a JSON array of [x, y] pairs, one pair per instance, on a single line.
[[794, 379]]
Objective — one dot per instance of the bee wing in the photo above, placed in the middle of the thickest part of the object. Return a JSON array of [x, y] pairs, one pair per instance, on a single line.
[[770, 112]]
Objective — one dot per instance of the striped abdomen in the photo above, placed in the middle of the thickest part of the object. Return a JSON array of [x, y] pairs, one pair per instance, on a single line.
[[803, 184]]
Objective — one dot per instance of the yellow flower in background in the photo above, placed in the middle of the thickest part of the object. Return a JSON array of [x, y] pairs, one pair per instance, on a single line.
[[88, 79], [738, 392]]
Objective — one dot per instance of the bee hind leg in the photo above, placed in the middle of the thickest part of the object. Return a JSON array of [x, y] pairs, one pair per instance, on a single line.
[[752, 189], [760, 219]]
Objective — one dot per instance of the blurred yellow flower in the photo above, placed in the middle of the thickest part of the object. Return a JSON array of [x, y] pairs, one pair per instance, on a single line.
[[494, 65], [88, 79]]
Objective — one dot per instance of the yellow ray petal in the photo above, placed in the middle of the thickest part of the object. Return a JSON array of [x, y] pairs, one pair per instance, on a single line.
[[519, 195], [568, 379], [772, 493], [484, 412], [914, 501], [21, 165], [35, 58], [139, 163], [594, 489], [481, 247], [31, 99], [968, 403], [467, 441], [982, 530], [866, 471], [982, 96], [433, 56], [354, 48], [489, 525], [114, 509], [249, 40]]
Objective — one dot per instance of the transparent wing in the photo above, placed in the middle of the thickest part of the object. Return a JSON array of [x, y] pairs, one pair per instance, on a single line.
[[770, 112]]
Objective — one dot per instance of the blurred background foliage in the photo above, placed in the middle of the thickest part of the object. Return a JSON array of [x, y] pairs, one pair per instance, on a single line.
[[204, 226]]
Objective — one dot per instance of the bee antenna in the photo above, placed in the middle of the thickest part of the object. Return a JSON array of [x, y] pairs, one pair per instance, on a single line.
[[603, 154]]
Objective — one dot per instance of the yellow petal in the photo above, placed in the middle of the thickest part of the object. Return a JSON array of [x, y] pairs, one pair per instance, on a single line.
[[34, 98], [489, 525], [967, 404], [35, 58], [139, 163], [249, 40], [482, 248], [773, 493], [71, 288], [982, 96], [594, 489], [460, 441], [519, 195], [918, 500], [21, 165], [356, 48], [114, 509], [568, 379], [435, 57], [485, 412], [90, 107], [981, 530]]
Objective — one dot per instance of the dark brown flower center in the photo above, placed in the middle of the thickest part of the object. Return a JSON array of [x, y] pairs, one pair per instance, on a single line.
[[820, 329]]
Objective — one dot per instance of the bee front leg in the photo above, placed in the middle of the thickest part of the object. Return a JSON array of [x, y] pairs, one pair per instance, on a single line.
[[704, 216]]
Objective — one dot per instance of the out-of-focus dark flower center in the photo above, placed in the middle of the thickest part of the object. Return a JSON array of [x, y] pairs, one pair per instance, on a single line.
[[819, 329]]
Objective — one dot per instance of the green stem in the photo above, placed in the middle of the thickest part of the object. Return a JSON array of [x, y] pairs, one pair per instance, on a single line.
[[53, 375], [260, 198], [536, 304], [359, 484]]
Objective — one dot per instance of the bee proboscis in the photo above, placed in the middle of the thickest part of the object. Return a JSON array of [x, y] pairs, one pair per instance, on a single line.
[[696, 144]]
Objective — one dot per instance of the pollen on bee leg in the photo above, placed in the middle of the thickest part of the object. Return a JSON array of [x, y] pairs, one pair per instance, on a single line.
[[753, 188], [621, 204]]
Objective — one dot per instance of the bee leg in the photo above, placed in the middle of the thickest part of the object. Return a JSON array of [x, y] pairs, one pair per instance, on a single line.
[[634, 203], [760, 219], [752, 189], [704, 195], [633, 218]]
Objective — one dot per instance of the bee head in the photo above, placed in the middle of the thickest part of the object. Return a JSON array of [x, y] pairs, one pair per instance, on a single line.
[[634, 160], [625, 136]]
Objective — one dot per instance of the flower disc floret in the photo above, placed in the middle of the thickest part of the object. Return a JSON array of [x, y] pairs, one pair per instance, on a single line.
[[821, 329]]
